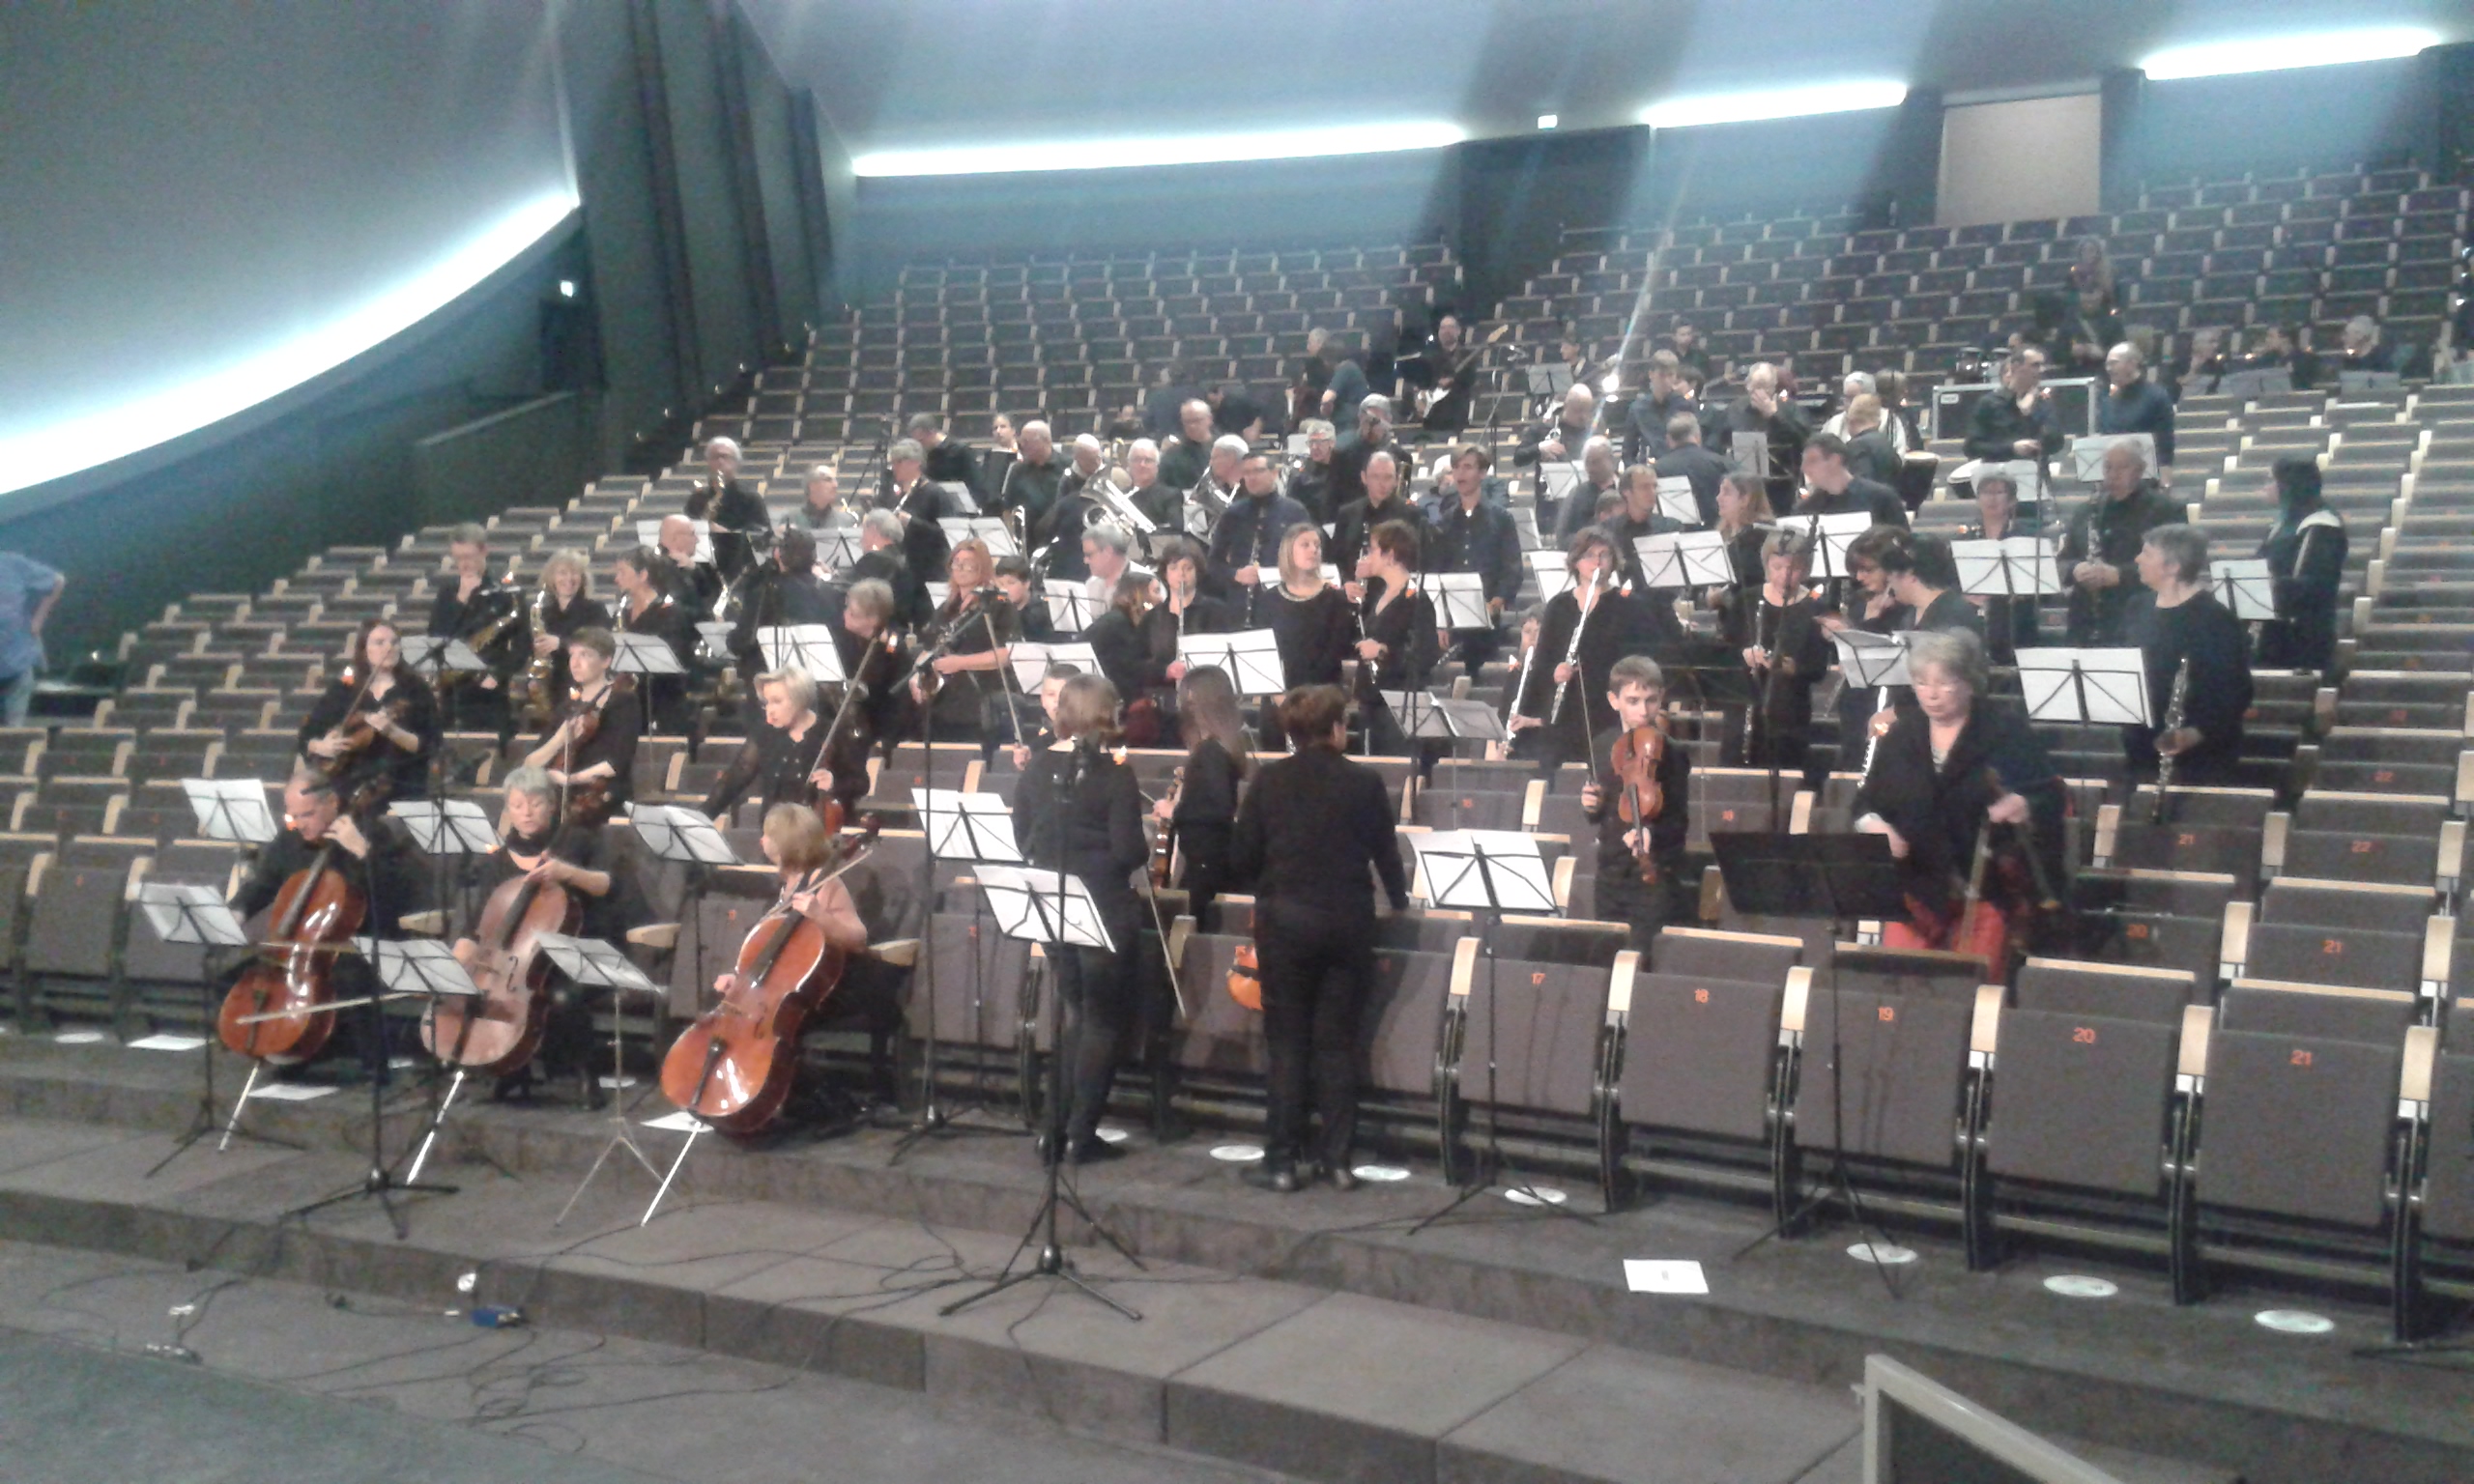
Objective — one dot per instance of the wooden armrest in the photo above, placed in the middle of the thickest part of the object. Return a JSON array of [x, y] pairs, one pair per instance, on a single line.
[[654, 935], [2422, 1054], [1986, 1029], [2439, 940], [900, 953], [1799, 990], [2235, 945], [2197, 1020], [428, 924]]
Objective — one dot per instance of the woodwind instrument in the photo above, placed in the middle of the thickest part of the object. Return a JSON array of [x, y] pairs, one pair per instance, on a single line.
[[1572, 652], [2174, 710], [538, 702]]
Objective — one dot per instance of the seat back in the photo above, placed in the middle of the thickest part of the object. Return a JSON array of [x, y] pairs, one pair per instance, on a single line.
[[1220, 1036], [1708, 953], [2448, 1164], [1532, 1035], [1698, 1052], [2065, 986], [1898, 1079], [976, 981], [2081, 1098], [2355, 958], [2297, 1122], [1561, 940], [1402, 1025], [2338, 904]]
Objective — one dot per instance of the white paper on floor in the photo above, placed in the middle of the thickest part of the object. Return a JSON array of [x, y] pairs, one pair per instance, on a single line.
[[290, 1092], [161, 1042], [1236, 1153], [1656, 1275], [78, 1038], [1536, 1195], [681, 1122]]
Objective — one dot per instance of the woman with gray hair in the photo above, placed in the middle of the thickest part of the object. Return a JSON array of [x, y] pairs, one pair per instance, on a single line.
[[1945, 774], [2176, 621]]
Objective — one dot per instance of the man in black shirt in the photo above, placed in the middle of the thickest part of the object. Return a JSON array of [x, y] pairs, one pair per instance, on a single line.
[[2104, 539], [1685, 344], [1161, 502], [1245, 546], [1383, 502], [947, 461], [1686, 458], [2017, 421], [920, 503], [1473, 533], [1835, 491], [784, 591], [1581, 508], [1350, 452], [735, 513], [1650, 423], [1232, 411], [1559, 442], [1641, 517], [489, 616], [696, 584], [2176, 619], [2134, 404], [1309, 484], [1779, 422], [1030, 486], [882, 560], [1184, 458]]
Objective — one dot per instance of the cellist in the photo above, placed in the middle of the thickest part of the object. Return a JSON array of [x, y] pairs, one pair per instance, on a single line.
[[375, 857], [534, 841], [1627, 892], [795, 846], [1945, 773]]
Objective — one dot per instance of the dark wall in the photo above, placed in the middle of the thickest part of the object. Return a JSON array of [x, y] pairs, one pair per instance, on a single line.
[[1516, 195], [2316, 118]]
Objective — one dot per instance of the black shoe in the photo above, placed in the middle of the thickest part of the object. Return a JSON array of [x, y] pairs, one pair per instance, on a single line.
[[1341, 1177], [1282, 1178], [1097, 1151]]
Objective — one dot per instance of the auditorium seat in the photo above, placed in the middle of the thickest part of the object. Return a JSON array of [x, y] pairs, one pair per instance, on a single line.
[[77, 916], [1526, 1037]]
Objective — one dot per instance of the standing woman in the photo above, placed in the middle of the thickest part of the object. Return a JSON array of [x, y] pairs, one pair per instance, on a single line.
[[398, 704], [974, 627], [1744, 522], [1117, 643], [782, 757], [1586, 629], [1308, 831], [646, 607], [2306, 553], [1313, 622], [1785, 655], [1400, 641], [2009, 624], [565, 604], [1201, 811], [1079, 810]]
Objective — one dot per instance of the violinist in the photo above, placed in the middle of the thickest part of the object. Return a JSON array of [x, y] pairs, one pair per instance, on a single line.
[[589, 747], [782, 759], [1079, 810], [872, 656], [534, 841], [1639, 796], [1945, 773], [1786, 653], [1202, 810], [1586, 628], [486, 615], [1116, 641], [646, 607], [967, 639], [1400, 641], [735, 514], [564, 603], [1311, 619], [377, 720]]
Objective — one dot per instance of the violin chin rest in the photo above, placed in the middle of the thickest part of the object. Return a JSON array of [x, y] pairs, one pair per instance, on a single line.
[[654, 935], [428, 924]]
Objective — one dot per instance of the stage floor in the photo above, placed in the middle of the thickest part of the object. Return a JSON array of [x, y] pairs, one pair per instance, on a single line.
[[1315, 1335]]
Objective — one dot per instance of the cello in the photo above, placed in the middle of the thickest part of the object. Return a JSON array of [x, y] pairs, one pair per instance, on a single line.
[[732, 1066], [275, 1010], [498, 1031]]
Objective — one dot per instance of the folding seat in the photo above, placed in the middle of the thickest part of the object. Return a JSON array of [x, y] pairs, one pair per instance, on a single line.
[[1528, 1040], [2381, 760], [2401, 839], [2360, 934], [2084, 1099], [76, 917], [2204, 830], [174, 753], [101, 752], [70, 806], [940, 765], [162, 985]]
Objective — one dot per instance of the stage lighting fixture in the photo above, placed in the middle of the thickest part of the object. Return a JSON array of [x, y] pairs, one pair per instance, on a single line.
[[1773, 104], [1548, 121], [566, 288], [31, 456], [1158, 150], [2277, 54]]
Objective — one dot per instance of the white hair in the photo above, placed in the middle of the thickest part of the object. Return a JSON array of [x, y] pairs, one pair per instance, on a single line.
[[905, 450], [1111, 534], [882, 523], [1141, 445], [1035, 426], [1229, 444], [823, 473], [1598, 444], [1858, 384], [1083, 441], [1376, 403], [729, 443], [1763, 373]]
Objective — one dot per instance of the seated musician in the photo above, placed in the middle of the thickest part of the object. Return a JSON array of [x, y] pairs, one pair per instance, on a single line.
[[1445, 363], [823, 509], [782, 757], [489, 616], [1057, 539], [2359, 347], [733, 513], [647, 608], [1629, 891], [399, 708], [696, 583], [1586, 630], [882, 560], [872, 656], [919, 504], [797, 848], [1108, 551], [1786, 653], [1310, 483], [1187, 453], [1161, 502], [1208, 498], [1597, 482], [784, 591], [565, 604], [2009, 624], [589, 746], [1835, 490], [534, 841], [1561, 440], [375, 855], [1030, 609], [1945, 772], [1116, 641], [2179, 618]]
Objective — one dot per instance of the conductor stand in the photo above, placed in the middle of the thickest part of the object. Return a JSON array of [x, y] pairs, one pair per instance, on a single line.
[[1489, 872], [1843, 879], [1054, 910], [399, 971], [961, 827], [589, 962]]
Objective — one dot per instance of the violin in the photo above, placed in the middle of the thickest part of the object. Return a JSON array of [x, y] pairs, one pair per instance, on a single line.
[[588, 799], [828, 809], [1163, 850], [497, 1032], [732, 1066], [273, 1012], [1639, 800], [360, 731]]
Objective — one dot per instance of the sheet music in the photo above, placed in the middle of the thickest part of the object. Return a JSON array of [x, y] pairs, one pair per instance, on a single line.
[[2012, 567], [1872, 660], [2097, 687], [2088, 454], [1558, 482], [1831, 535], [805, 647], [966, 826], [1689, 558], [1553, 576], [1250, 658], [1031, 662], [2245, 586], [1071, 607], [986, 529], [1043, 906], [1459, 600], [1676, 500]]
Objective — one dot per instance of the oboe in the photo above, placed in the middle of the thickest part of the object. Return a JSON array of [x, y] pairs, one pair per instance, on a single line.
[[1769, 663], [2174, 709]]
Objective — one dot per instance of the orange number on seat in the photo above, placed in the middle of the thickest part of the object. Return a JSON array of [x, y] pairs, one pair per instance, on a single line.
[[1699, 996], [2084, 1035], [2186, 838], [1534, 980], [2384, 775], [2363, 847], [2332, 946], [1886, 1013], [2301, 1058]]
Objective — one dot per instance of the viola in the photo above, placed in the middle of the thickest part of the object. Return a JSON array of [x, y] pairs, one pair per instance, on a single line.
[[273, 1012], [1246, 979], [359, 730], [732, 1066], [1639, 800], [588, 805], [498, 1031]]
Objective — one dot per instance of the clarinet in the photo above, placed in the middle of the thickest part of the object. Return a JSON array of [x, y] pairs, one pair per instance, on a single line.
[[1761, 694], [2173, 715]]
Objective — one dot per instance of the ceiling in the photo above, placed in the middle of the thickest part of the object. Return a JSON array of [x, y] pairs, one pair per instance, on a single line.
[[907, 74]]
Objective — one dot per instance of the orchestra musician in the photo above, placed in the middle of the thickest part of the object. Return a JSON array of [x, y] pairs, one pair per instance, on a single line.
[[2017, 421], [1862, 710], [2009, 624], [2134, 404], [735, 514], [1209, 497], [694, 581], [592, 738], [1597, 482], [782, 759], [1187, 456], [1029, 489], [2306, 553], [1079, 810], [1745, 524], [1313, 374], [534, 840], [2179, 618], [1835, 489], [1161, 503], [1474, 534], [1945, 773], [1628, 893], [1400, 641], [920, 503], [1116, 638], [1030, 609], [1692, 357], [1371, 435], [821, 508], [1307, 831], [795, 844], [872, 658], [1650, 421], [946, 461], [882, 560], [1447, 365], [645, 607], [1108, 555], [1641, 517], [399, 707], [487, 615], [1058, 536], [1310, 483], [784, 591], [1312, 618], [1871, 454], [1561, 440], [1686, 458], [1786, 653], [1183, 610], [1583, 631], [997, 460], [968, 637], [1382, 501], [2104, 538], [563, 604], [1765, 411], [1245, 545], [1201, 810]]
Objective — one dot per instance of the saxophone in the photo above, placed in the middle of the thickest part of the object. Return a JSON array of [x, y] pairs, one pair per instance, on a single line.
[[538, 674], [2174, 709]]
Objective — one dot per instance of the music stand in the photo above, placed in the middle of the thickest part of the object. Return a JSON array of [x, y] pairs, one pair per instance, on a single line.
[[1071, 607], [427, 656], [402, 975], [591, 961], [1558, 481], [2012, 567], [1549, 379], [1459, 600], [1689, 558], [994, 534], [1055, 911], [973, 827], [1031, 662], [1250, 657], [836, 547], [1750, 451], [231, 809], [1842, 878], [195, 914], [1554, 578], [2245, 586], [1443, 717], [805, 647], [1488, 873], [2088, 454], [1677, 501], [649, 656], [429, 968], [2089, 687], [1831, 535]]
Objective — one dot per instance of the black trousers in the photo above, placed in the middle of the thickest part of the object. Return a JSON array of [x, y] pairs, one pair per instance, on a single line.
[[1643, 906], [1098, 989], [1317, 967]]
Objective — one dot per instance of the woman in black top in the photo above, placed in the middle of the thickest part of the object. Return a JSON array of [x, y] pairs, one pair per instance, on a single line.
[[782, 759], [1564, 694], [1202, 809], [872, 658], [563, 604], [1079, 811], [1785, 654], [2009, 624], [2178, 618], [1308, 829], [1871, 609], [1400, 642], [1744, 521], [1312, 622], [2306, 553], [590, 742], [646, 607], [398, 703], [1116, 641], [970, 633]]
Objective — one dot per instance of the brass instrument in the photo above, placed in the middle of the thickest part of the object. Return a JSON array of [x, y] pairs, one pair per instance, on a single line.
[[538, 673], [2174, 710]]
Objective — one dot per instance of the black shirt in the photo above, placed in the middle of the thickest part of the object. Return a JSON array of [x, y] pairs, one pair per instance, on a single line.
[[390, 878], [1081, 811], [1358, 520], [1877, 501], [1618, 625], [1316, 634], [775, 599], [732, 516], [1484, 540], [581, 846], [772, 762], [1667, 832], [2111, 531], [1249, 535], [1308, 830], [1705, 468], [1405, 629], [454, 618], [1940, 809], [2201, 630], [959, 695], [560, 620], [406, 774], [613, 740], [1995, 425]]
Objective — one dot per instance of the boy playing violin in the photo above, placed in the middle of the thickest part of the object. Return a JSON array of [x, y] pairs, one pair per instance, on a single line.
[[1640, 785]]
